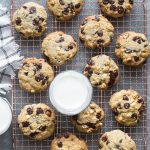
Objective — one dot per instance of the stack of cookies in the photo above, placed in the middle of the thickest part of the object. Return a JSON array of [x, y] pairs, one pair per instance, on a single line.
[[38, 121]]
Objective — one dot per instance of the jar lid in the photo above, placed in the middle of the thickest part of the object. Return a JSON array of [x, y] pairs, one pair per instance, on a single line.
[[70, 92]]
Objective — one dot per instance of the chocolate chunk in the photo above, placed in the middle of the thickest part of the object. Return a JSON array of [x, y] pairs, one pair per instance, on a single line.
[[119, 106], [134, 116], [125, 98], [61, 2], [39, 77], [39, 111], [65, 11], [34, 134], [42, 128], [91, 62], [26, 73], [66, 135], [35, 21], [77, 6], [98, 115], [29, 111], [126, 105], [131, 2], [120, 2], [105, 2], [91, 125], [141, 110], [111, 1], [100, 146], [32, 10], [44, 80], [141, 100], [115, 111], [118, 45], [104, 138], [18, 21], [121, 141], [25, 124], [136, 58], [100, 41], [113, 76], [59, 144], [48, 112], [38, 66], [99, 33], [113, 7], [89, 70], [70, 47], [25, 7], [39, 28], [41, 18], [120, 9]]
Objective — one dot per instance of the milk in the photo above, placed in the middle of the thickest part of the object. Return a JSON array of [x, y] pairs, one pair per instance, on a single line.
[[5, 116], [70, 92]]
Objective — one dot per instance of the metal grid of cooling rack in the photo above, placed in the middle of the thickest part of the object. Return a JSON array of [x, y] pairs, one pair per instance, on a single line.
[[135, 78]]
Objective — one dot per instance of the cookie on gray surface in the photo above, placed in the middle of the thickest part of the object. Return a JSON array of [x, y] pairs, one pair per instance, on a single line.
[[30, 20], [116, 140], [35, 75], [127, 106], [102, 71], [116, 8], [132, 48], [90, 120], [65, 9], [68, 142], [96, 32], [37, 121], [59, 48]]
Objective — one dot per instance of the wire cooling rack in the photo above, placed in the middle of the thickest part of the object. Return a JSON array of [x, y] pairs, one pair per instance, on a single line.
[[135, 78]]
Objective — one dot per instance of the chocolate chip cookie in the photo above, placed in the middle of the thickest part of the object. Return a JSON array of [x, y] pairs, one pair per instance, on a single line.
[[96, 32], [35, 75], [59, 47], [116, 8], [65, 9], [30, 20], [132, 48], [90, 119], [102, 71], [68, 142], [37, 121], [127, 106], [116, 140]]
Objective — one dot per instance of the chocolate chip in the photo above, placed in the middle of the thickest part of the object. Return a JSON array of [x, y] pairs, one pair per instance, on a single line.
[[120, 9], [25, 7], [41, 18], [91, 62], [121, 141], [136, 58], [113, 7], [26, 73], [100, 146], [91, 125], [111, 1], [125, 98], [18, 21], [104, 138], [113, 74], [126, 105], [42, 128], [98, 115], [131, 2], [38, 66], [61, 2], [66, 135], [71, 6], [141, 100], [120, 2], [134, 116], [97, 18], [118, 45], [119, 106], [70, 47], [48, 113], [89, 70], [39, 111], [32, 10], [115, 111], [29, 111], [35, 21], [141, 110], [59, 144], [100, 41], [44, 80], [39, 28], [34, 134], [65, 11], [105, 2], [25, 124], [61, 39], [39, 77], [84, 22], [99, 33], [77, 6], [82, 31]]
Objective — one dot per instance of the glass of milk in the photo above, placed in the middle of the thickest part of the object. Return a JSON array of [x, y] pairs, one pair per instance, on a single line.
[[70, 92], [5, 115]]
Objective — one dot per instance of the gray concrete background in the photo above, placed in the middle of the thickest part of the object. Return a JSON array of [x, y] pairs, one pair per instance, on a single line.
[[6, 139]]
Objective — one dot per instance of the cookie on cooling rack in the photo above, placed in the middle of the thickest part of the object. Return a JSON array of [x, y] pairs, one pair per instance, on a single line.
[[30, 20], [65, 9], [68, 142], [116, 140], [59, 47], [132, 48], [37, 121], [102, 72], [116, 8], [96, 32], [35, 75], [90, 119], [127, 106]]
